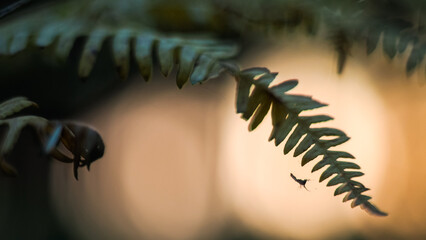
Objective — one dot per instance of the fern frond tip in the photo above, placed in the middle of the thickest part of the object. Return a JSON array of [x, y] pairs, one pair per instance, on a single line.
[[373, 210]]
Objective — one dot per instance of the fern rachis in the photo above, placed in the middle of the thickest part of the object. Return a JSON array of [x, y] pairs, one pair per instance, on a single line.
[[286, 108]]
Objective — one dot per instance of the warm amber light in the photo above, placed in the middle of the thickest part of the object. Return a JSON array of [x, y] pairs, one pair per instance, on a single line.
[[180, 164], [255, 174]]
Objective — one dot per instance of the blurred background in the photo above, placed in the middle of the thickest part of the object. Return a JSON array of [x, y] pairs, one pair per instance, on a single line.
[[180, 164]]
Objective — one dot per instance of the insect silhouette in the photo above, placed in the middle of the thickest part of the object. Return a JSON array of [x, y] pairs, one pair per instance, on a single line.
[[300, 181]]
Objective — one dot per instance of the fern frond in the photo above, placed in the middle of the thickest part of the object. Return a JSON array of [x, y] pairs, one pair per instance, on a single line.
[[401, 23], [197, 57], [398, 34], [398, 23], [74, 137], [254, 100]]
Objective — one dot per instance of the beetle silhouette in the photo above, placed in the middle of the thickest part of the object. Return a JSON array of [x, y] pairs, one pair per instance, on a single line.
[[300, 181]]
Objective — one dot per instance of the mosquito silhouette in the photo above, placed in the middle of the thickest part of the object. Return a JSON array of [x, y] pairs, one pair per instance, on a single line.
[[300, 181]]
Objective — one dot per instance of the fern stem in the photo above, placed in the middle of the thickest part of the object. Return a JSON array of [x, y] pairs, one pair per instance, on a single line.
[[287, 124]]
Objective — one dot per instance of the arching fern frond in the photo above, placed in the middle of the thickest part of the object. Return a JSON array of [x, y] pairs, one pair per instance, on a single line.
[[133, 36], [197, 56], [254, 100], [400, 24], [346, 23]]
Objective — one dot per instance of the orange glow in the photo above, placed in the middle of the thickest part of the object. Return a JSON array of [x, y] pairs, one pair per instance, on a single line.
[[180, 164], [255, 174]]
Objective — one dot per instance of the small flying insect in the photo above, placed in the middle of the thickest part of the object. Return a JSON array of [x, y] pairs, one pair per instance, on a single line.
[[300, 181]]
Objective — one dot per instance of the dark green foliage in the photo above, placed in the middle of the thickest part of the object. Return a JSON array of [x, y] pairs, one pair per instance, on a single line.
[[398, 24], [286, 108], [196, 56]]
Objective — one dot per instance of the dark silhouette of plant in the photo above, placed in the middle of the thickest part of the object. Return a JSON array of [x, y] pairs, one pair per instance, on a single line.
[[84, 143]]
